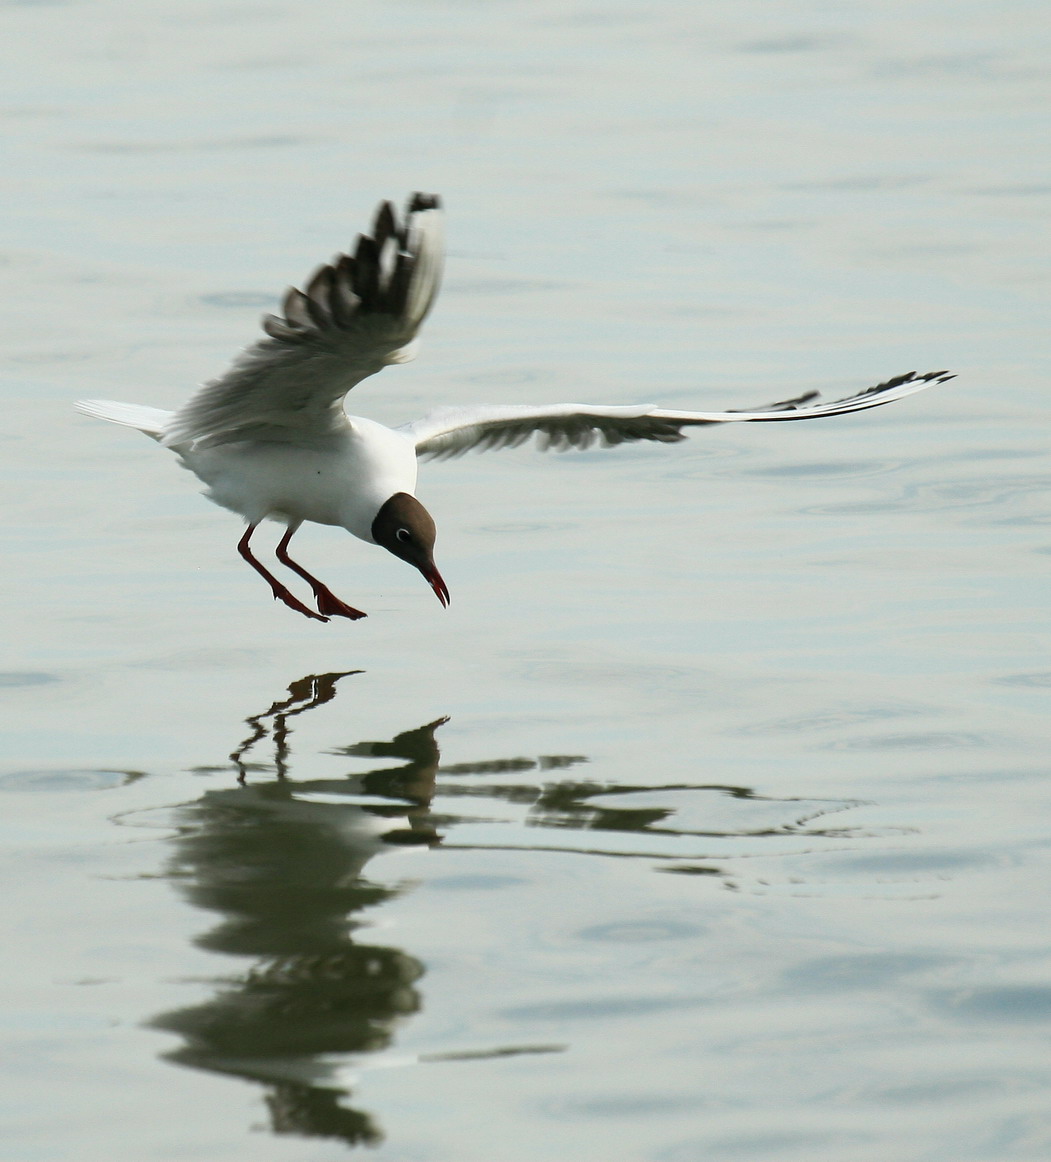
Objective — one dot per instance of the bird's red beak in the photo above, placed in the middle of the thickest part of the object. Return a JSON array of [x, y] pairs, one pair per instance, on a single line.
[[434, 579]]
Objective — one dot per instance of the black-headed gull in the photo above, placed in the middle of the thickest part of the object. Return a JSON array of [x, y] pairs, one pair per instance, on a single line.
[[270, 438]]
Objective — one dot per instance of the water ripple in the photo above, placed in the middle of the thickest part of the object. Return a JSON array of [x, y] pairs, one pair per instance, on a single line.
[[66, 780], [21, 678], [940, 495], [1041, 680]]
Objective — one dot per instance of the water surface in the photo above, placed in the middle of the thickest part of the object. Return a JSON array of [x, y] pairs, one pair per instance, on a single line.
[[710, 821]]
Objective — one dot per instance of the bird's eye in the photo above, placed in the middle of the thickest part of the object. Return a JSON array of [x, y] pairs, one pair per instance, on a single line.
[[403, 535]]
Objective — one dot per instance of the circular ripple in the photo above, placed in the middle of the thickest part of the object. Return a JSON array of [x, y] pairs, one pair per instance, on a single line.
[[640, 932], [68, 780]]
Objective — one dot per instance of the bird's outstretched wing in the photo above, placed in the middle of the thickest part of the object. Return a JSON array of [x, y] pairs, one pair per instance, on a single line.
[[356, 315], [452, 431]]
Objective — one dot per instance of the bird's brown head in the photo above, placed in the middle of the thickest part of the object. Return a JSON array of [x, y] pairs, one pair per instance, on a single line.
[[405, 528]]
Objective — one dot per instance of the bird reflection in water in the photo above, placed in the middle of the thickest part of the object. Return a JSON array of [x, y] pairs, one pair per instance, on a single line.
[[281, 861]]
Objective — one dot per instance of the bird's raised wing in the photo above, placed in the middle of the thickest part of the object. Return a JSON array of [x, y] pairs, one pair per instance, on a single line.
[[452, 431], [355, 316]]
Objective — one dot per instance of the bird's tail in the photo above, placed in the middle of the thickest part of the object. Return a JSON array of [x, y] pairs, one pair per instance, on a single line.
[[151, 421]]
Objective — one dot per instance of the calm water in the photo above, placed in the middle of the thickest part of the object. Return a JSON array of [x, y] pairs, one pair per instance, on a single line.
[[711, 821]]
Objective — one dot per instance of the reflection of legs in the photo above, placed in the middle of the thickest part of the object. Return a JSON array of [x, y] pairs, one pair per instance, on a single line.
[[304, 694], [327, 601], [279, 591]]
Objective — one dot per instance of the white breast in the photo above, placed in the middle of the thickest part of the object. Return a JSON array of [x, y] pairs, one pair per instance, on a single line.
[[344, 482]]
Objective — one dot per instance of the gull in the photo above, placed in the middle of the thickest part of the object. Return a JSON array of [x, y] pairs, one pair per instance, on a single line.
[[270, 439]]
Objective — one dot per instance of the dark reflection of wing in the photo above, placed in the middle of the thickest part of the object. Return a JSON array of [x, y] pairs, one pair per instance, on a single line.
[[312, 1112]]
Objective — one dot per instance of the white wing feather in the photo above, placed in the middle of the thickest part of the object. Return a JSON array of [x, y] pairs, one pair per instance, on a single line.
[[152, 421], [356, 316], [452, 431]]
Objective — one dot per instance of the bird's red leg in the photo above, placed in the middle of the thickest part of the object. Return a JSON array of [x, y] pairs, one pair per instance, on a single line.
[[279, 591], [327, 601]]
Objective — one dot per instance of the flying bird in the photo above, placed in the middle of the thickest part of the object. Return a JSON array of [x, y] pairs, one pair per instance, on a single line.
[[270, 438]]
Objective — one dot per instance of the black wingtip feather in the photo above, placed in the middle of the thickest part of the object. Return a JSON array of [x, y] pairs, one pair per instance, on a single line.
[[385, 224], [295, 309], [421, 201], [354, 284], [398, 290], [366, 275], [319, 296]]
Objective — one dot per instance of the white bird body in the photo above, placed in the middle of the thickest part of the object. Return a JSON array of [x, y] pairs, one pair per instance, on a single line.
[[342, 481], [270, 439]]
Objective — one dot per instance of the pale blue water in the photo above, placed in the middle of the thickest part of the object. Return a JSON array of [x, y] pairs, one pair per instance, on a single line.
[[711, 821]]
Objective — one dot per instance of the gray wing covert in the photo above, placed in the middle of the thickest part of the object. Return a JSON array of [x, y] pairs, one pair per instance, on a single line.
[[450, 432], [356, 315]]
